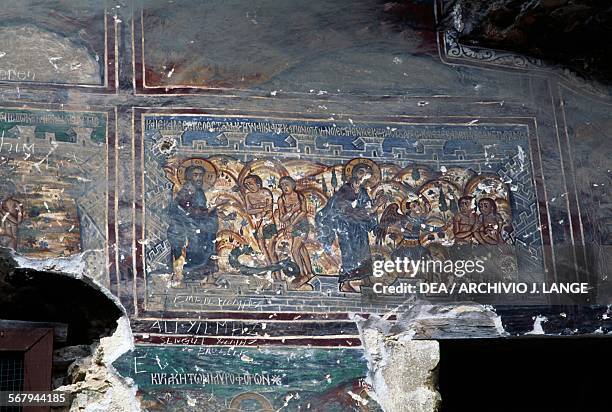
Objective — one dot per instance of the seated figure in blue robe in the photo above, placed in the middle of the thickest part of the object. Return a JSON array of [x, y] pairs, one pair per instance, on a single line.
[[193, 226]]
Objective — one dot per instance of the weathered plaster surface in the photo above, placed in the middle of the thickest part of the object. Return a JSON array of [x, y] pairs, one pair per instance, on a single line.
[[97, 386], [403, 356], [333, 70], [402, 371], [32, 54]]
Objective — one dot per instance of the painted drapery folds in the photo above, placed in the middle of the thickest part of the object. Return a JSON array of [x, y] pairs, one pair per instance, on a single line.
[[249, 207], [193, 225]]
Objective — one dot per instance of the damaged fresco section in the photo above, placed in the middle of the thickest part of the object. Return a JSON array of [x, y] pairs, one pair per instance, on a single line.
[[248, 231], [217, 378], [246, 208], [282, 47], [39, 296], [54, 43], [588, 135], [93, 382], [54, 187], [61, 62]]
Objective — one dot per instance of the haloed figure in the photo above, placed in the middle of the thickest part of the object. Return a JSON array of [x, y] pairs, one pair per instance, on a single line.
[[294, 224], [349, 216], [193, 224]]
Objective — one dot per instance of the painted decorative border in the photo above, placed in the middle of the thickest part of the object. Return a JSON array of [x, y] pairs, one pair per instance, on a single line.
[[453, 50], [178, 326]]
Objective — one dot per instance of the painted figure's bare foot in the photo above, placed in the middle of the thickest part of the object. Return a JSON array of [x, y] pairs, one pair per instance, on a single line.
[[301, 284], [351, 286]]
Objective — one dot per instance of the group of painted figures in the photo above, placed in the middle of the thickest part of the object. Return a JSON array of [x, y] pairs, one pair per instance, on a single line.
[[349, 217], [194, 223]]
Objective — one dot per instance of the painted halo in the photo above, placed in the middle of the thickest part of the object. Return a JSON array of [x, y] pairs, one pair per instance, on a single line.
[[348, 170], [209, 178]]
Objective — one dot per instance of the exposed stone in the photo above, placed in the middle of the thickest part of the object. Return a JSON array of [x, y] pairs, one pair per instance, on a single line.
[[29, 291], [97, 387], [31, 54], [78, 370], [402, 371], [449, 321], [68, 364], [69, 354], [402, 360]]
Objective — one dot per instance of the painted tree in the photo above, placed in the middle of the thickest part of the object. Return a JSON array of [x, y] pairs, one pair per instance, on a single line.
[[454, 207], [334, 179], [416, 174]]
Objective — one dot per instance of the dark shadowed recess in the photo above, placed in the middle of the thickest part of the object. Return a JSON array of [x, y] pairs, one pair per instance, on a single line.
[[525, 375], [35, 296], [571, 33], [558, 320]]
